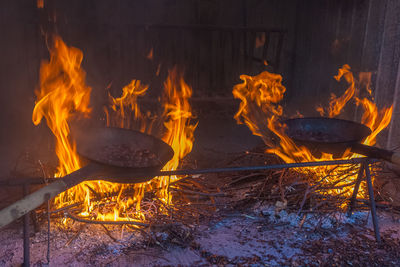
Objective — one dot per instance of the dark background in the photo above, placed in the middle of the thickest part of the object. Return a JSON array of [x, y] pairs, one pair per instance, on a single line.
[[306, 42]]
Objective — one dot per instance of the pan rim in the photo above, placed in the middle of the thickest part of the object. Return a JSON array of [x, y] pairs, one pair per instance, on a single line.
[[365, 129], [168, 152]]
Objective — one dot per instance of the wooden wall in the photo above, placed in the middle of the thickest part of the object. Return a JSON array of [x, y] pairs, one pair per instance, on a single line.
[[388, 73], [330, 34], [362, 33], [320, 36], [116, 44]]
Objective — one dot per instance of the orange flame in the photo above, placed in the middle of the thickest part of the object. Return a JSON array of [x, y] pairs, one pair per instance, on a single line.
[[260, 96], [150, 54], [176, 118], [40, 3], [62, 96], [337, 104], [128, 109], [261, 113], [373, 118]]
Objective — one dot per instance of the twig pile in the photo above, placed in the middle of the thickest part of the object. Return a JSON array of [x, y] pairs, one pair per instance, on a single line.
[[198, 197]]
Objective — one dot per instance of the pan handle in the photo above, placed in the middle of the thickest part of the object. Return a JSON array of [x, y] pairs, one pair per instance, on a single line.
[[377, 153], [37, 198]]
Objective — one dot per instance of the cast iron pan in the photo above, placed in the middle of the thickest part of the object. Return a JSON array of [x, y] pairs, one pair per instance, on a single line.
[[94, 144], [334, 136]]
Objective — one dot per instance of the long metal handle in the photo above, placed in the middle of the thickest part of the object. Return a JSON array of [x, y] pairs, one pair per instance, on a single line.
[[37, 198], [90, 171], [252, 168], [374, 152], [30, 202]]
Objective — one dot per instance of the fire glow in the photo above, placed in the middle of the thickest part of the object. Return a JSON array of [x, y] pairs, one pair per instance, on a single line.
[[63, 96], [261, 112]]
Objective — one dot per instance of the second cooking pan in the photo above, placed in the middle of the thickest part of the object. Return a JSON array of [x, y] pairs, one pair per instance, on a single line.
[[335, 136]]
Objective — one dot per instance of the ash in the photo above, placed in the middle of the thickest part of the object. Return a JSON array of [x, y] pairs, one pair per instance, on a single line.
[[260, 236]]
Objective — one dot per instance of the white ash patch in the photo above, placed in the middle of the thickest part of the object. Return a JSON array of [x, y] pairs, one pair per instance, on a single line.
[[311, 220]]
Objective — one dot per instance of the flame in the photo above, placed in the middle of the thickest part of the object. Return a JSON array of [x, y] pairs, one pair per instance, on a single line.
[[337, 104], [260, 110], [178, 130], [128, 109], [177, 118], [40, 3], [373, 118], [150, 54], [259, 97], [64, 96]]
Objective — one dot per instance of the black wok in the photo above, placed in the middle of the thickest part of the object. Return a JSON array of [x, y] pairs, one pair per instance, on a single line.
[[335, 136], [94, 144]]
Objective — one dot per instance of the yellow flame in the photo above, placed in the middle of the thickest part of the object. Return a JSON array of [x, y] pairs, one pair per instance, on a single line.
[[177, 118], [126, 109], [178, 129], [62, 96], [337, 104], [259, 97]]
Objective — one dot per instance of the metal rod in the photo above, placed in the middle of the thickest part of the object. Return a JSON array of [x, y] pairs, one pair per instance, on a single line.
[[263, 167], [26, 232], [372, 204], [355, 190], [39, 180]]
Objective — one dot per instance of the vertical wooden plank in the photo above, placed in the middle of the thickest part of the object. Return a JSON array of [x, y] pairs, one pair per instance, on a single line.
[[393, 141], [388, 90], [389, 60]]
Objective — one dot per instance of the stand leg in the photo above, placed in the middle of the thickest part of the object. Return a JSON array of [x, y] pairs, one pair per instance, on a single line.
[[355, 190], [26, 233], [372, 204]]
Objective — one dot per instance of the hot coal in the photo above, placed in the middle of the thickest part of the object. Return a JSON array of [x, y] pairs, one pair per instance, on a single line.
[[127, 156]]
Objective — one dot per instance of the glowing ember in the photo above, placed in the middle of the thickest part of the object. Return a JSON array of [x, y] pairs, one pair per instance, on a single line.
[[63, 95], [260, 111]]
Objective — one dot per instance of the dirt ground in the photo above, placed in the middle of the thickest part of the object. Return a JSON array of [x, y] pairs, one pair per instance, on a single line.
[[257, 235]]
